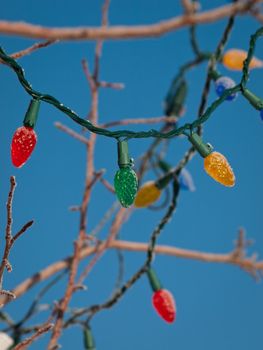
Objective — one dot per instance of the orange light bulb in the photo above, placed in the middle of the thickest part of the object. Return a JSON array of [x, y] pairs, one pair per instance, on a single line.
[[217, 166], [234, 59]]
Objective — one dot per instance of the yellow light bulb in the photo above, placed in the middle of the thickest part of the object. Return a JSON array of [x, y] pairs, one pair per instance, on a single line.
[[217, 166], [234, 58], [147, 194]]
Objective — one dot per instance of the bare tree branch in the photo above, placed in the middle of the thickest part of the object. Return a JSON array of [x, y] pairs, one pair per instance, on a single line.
[[153, 120], [124, 32], [90, 179], [25, 343], [72, 133], [9, 239], [246, 263], [29, 50]]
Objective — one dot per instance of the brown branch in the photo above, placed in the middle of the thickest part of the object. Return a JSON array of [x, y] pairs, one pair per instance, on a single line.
[[102, 247], [188, 254], [190, 6], [72, 133], [106, 84], [8, 294], [107, 185], [8, 234], [33, 48], [99, 45], [22, 230], [62, 306], [105, 218], [88, 74], [90, 180], [255, 12], [9, 239], [124, 32], [97, 177], [154, 120], [29, 50], [228, 258], [28, 341]]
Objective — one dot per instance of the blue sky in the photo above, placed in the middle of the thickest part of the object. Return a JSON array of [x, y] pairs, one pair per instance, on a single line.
[[219, 306]]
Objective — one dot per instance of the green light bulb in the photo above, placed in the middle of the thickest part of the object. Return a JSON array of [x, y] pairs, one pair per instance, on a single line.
[[125, 180], [126, 184]]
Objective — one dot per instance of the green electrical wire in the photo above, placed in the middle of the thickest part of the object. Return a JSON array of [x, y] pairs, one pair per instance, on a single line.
[[127, 134], [252, 45]]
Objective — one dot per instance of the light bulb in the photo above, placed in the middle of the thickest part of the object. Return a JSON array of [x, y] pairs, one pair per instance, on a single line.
[[25, 138], [5, 341], [224, 83], [147, 195], [164, 304], [126, 184], [234, 59], [162, 300], [186, 181], [23, 144], [125, 180], [217, 166]]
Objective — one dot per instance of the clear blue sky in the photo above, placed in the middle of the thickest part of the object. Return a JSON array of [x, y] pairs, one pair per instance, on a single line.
[[219, 306]]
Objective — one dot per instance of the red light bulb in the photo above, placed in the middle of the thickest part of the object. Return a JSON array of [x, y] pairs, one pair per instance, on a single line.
[[164, 304], [25, 138], [162, 300], [23, 144]]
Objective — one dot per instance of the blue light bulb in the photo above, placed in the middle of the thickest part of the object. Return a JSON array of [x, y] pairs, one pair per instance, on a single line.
[[224, 83], [186, 181]]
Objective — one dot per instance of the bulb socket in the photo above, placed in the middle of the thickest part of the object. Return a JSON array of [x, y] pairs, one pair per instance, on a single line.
[[214, 75], [153, 279], [88, 339], [124, 159], [204, 149], [32, 113], [254, 100]]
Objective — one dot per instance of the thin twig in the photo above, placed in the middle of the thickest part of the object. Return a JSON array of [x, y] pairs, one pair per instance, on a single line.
[[72, 133], [21, 231], [25, 343], [9, 239], [32, 309], [102, 247], [154, 120], [31, 49], [255, 12], [62, 306], [107, 185], [105, 84], [106, 217], [190, 6]]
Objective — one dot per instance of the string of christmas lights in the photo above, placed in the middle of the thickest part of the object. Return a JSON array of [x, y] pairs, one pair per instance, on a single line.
[[127, 134], [125, 181], [163, 301]]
